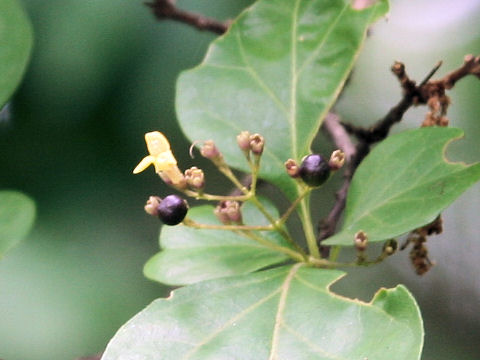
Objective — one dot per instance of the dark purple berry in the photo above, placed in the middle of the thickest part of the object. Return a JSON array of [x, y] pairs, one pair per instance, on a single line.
[[172, 210], [314, 170]]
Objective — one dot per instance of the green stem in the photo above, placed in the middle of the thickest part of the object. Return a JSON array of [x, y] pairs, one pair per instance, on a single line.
[[255, 168], [324, 263], [225, 170], [262, 209], [212, 197], [193, 224], [308, 227], [293, 206], [276, 225], [334, 252]]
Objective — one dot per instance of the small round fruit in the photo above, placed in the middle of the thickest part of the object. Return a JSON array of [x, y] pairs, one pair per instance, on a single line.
[[314, 170], [172, 210]]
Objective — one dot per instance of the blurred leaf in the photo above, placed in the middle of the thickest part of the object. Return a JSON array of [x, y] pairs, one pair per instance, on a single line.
[[403, 184], [284, 313], [277, 71], [192, 255], [15, 46], [17, 213]]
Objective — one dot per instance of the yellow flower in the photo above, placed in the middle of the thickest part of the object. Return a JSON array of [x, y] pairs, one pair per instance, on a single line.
[[162, 158]]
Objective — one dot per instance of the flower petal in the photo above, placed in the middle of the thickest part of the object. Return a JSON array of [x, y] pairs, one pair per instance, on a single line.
[[146, 162], [157, 143]]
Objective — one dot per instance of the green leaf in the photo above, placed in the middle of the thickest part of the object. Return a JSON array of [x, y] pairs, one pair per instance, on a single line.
[[277, 71], [17, 213], [191, 255], [15, 46], [403, 184], [286, 313]]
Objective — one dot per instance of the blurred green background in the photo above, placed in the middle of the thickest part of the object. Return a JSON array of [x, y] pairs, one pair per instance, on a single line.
[[102, 74]]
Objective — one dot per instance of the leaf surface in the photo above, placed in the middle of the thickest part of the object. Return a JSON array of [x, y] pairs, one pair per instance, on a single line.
[[17, 213], [284, 313], [403, 184], [276, 72], [191, 255], [15, 46]]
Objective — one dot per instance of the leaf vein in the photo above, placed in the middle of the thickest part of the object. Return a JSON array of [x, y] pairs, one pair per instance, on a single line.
[[373, 199], [281, 308], [397, 198], [310, 344], [234, 126], [256, 77], [293, 73], [315, 52], [232, 320], [213, 292]]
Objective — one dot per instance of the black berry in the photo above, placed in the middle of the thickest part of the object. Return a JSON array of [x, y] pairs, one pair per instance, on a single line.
[[314, 170], [172, 210]]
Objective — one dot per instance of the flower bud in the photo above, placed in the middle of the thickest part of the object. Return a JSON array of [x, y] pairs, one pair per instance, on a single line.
[[243, 141], [195, 178], [229, 212], [337, 159], [151, 207], [292, 168], [233, 211], [390, 247], [210, 151], [221, 214], [257, 143], [360, 241]]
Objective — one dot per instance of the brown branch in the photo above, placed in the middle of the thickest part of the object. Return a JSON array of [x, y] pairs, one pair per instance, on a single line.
[[328, 225], [343, 142], [166, 9], [471, 66], [366, 137], [412, 95], [339, 135], [380, 130]]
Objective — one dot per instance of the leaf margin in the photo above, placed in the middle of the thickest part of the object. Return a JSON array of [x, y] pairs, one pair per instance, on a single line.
[[204, 290], [279, 178], [21, 53], [25, 209], [161, 267], [345, 236]]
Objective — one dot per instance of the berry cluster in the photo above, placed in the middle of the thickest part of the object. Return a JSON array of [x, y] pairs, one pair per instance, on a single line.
[[313, 171]]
